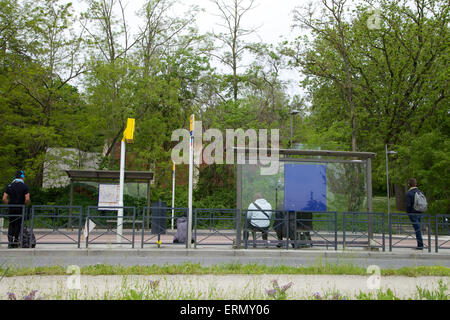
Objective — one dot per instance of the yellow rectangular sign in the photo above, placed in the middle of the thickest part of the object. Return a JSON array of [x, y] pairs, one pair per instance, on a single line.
[[128, 134], [191, 126]]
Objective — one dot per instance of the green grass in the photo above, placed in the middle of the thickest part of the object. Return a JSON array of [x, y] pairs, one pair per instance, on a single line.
[[439, 294], [379, 204], [224, 269]]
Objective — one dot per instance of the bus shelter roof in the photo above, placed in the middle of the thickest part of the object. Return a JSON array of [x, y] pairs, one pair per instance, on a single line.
[[109, 176]]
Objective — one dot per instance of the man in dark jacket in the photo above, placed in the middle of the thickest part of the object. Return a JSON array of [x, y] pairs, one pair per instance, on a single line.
[[16, 193], [414, 215]]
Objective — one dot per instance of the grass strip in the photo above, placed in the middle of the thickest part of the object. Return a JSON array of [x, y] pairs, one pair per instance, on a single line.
[[224, 269]]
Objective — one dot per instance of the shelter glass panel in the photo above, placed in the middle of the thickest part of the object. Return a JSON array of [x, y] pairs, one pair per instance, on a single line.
[[308, 186]]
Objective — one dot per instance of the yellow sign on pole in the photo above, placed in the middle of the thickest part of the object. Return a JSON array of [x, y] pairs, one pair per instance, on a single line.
[[191, 126], [128, 134]]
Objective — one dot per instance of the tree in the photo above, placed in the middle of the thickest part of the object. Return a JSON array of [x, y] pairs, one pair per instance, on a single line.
[[397, 76], [111, 79], [231, 16], [331, 30], [43, 60]]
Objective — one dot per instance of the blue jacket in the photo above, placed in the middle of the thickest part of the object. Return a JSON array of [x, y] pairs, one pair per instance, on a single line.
[[410, 200]]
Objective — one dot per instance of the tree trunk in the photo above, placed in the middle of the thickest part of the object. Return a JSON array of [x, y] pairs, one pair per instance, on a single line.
[[400, 197]]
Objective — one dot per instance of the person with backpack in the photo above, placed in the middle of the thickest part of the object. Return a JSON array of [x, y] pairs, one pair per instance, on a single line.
[[416, 205], [259, 214], [16, 193]]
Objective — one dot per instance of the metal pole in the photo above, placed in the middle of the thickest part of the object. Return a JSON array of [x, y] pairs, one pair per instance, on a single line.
[[429, 232], [1, 230], [71, 204], [369, 199], [148, 208], [80, 226], [335, 232], [121, 185], [191, 176], [387, 179], [173, 192], [436, 230], [290, 140], [238, 204]]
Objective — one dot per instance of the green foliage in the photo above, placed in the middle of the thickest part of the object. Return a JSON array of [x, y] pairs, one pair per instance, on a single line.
[[396, 75], [364, 88], [378, 295], [440, 294], [221, 269]]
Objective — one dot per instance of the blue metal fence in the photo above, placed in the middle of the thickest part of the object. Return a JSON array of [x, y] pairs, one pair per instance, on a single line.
[[105, 222], [158, 221], [9, 213], [402, 230], [218, 227], [355, 231], [442, 232], [298, 229], [48, 221], [210, 223]]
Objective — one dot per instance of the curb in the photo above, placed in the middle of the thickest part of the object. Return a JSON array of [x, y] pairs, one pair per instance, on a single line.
[[210, 253]]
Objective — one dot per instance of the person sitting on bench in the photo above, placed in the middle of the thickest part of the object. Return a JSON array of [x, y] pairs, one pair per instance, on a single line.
[[258, 217]]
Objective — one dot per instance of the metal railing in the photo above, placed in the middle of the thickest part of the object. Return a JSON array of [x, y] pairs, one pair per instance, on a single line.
[[321, 228], [215, 226], [300, 229], [104, 231], [219, 227], [48, 221], [160, 218], [442, 232], [8, 212], [355, 230], [402, 232], [273, 233]]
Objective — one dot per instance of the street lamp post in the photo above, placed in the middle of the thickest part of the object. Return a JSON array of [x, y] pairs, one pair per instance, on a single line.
[[387, 176], [292, 113], [277, 187]]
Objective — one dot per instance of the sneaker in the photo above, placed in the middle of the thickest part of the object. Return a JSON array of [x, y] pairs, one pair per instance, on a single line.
[[418, 248]]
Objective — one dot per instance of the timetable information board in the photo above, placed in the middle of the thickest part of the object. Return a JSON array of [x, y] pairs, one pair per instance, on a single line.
[[108, 196]]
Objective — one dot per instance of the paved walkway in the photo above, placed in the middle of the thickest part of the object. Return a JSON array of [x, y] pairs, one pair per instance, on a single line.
[[241, 287], [61, 247], [215, 287], [218, 255]]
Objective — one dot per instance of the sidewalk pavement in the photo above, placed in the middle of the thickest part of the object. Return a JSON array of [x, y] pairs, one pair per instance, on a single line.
[[219, 251]]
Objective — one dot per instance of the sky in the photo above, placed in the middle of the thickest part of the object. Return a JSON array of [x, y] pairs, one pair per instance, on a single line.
[[271, 18], [274, 17]]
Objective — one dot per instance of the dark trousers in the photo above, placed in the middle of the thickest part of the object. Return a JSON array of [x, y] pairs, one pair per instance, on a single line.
[[14, 231], [254, 229], [416, 220]]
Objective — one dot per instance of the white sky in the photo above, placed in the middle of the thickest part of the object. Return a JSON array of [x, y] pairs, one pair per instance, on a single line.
[[272, 18]]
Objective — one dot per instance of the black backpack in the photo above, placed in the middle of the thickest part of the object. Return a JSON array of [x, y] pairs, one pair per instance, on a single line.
[[28, 239]]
